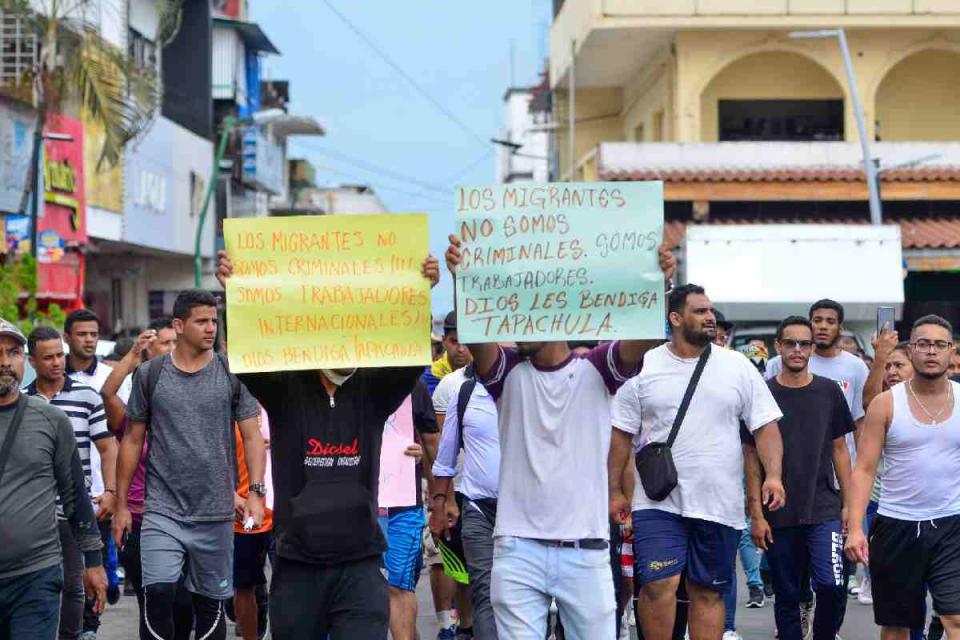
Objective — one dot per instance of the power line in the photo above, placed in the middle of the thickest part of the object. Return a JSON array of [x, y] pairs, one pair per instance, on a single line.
[[406, 76], [372, 168], [427, 196]]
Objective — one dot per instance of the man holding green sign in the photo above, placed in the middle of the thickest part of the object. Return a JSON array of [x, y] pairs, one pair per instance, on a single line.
[[529, 269]]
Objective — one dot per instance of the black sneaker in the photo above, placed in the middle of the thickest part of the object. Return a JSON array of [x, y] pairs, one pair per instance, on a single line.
[[756, 599], [768, 589], [113, 595]]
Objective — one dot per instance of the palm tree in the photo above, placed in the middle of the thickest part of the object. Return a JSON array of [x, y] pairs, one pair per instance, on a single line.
[[77, 66]]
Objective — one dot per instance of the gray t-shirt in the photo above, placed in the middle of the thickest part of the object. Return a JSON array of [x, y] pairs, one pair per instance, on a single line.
[[43, 463], [191, 461]]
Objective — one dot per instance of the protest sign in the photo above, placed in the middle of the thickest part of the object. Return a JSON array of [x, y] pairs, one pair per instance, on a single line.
[[398, 474], [574, 261], [327, 292]]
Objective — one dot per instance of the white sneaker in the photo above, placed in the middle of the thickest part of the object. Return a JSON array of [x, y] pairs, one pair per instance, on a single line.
[[632, 618], [731, 635], [806, 615], [866, 592]]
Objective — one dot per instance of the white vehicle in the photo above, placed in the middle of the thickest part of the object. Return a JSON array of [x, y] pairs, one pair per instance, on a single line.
[[759, 274]]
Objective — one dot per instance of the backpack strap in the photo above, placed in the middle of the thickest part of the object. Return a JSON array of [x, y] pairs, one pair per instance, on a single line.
[[234, 403], [153, 370], [463, 399], [12, 431]]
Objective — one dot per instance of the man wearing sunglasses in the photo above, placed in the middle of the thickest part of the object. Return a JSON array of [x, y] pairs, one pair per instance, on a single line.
[[915, 540], [807, 532]]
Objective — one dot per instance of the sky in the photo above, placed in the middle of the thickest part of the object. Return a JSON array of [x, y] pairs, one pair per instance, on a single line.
[[413, 147]]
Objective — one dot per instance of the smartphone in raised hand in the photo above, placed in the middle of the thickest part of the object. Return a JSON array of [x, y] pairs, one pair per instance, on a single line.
[[886, 317]]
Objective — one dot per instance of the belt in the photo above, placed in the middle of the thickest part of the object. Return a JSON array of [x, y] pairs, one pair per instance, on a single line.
[[585, 543]]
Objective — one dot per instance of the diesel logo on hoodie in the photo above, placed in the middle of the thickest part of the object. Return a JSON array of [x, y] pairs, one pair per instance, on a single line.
[[330, 454]]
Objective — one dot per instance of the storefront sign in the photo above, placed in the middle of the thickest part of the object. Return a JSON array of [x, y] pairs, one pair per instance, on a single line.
[[63, 180], [16, 141]]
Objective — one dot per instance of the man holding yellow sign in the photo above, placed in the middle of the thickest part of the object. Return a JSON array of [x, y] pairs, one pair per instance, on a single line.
[[335, 294]]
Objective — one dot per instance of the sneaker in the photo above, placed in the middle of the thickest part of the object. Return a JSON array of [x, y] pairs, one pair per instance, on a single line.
[[853, 589], [464, 633], [88, 635], [113, 595], [756, 599], [806, 613], [731, 635], [633, 618], [866, 592], [448, 633]]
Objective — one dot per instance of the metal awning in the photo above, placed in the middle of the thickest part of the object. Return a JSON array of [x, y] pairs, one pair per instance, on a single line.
[[253, 36]]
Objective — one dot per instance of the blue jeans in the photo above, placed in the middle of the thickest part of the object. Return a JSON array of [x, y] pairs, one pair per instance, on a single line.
[[528, 574], [819, 547], [750, 560], [30, 605]]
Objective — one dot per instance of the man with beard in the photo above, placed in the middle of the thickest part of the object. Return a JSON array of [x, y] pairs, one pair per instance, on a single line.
[[41, 463], [915, 540], [696, 528], [807, 532], [326, 430], [552, 530]]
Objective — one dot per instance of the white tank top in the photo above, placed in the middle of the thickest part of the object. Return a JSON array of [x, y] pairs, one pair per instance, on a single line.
[[921, 476]]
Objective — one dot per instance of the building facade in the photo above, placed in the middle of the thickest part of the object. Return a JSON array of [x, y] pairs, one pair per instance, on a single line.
[[746, 122]]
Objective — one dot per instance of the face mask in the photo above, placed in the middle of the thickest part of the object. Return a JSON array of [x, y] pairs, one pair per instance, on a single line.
[[337, 378]]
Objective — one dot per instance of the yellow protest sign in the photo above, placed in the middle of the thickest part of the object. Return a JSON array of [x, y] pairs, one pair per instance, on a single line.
[[327, 292]]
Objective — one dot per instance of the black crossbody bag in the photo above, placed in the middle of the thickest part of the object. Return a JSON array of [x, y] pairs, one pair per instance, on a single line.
[[658, 473]]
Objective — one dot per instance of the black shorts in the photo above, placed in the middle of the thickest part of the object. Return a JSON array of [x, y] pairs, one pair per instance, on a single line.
[[249, 558], [906, 559]]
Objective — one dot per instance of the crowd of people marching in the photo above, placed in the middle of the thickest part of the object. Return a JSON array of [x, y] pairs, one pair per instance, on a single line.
[[606, 482]]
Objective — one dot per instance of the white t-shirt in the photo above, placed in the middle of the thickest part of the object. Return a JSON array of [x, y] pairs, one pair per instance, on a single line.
[[848, 371], [94, 377], [707, 450], [444, 398], [554, 441]]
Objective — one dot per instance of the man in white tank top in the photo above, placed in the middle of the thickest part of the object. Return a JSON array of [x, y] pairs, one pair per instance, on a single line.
[[915, 540]]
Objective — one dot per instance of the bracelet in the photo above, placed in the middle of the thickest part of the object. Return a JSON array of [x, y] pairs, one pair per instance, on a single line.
[[110, 491], [440, 495]]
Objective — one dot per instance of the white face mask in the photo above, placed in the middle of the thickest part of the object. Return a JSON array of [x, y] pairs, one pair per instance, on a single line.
[[337, 378]]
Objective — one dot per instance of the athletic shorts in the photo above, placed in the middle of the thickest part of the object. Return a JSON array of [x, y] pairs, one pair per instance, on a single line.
[[451, 550], [905, 557], [249, 558], [431, 553], [666, 544], [201, 551], [403, 529]]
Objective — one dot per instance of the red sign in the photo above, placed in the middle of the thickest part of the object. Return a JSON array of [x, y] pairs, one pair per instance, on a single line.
[[64, 210], [62, 229]]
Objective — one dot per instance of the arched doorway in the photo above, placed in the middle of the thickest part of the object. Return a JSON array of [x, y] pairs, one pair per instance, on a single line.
[[919, 98], [772, 95]]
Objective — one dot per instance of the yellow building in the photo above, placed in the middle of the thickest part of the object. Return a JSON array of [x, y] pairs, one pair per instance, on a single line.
[[744, 122]]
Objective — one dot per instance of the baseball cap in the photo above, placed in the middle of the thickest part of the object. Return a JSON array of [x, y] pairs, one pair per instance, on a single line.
[[450, 322], [722, 322], [12, 330]]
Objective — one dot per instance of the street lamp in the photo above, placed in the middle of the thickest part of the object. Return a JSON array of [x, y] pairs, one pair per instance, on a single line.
[[876, 214]]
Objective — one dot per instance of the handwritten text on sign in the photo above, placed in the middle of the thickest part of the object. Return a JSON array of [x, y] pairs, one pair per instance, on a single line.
[[560, 262], [327, 292]]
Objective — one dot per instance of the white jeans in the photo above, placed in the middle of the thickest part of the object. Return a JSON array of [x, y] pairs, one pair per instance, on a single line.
[[528, 574]]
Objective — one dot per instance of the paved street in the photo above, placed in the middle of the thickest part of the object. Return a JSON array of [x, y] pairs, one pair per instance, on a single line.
[[120, 622]]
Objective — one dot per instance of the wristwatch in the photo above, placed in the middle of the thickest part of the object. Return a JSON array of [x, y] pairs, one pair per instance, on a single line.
[[259, 488]]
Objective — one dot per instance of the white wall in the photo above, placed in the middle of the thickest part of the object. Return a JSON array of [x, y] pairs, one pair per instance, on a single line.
[[519, 127]]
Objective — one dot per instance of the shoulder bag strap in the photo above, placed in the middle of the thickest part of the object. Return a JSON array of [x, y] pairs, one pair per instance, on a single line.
[[463, 399], [154, 368], [12, 431], [691, 387]]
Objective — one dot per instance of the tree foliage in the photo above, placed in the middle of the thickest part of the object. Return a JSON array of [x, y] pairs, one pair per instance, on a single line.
[[18, 296]]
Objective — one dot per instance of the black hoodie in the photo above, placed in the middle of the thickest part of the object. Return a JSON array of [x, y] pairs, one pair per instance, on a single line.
[[326, 459]]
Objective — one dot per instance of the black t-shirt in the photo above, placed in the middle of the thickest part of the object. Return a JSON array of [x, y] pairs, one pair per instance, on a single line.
[[326, 459], [813, 417]]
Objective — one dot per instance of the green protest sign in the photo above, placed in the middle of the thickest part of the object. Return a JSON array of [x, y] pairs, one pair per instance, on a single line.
[[568, 261]]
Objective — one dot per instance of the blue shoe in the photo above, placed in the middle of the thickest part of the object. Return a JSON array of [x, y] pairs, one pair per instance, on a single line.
[[449, 633]]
